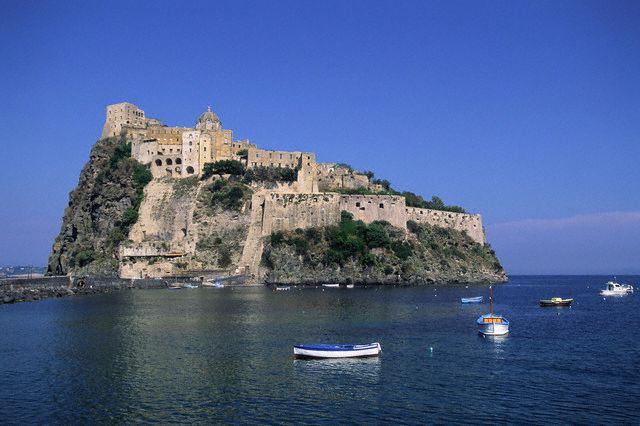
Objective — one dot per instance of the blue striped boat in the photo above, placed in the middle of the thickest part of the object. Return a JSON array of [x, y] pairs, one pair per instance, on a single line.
[[336, 351]]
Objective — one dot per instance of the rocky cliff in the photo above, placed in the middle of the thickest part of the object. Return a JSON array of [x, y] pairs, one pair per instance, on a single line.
[[356, 253], [100, 212]]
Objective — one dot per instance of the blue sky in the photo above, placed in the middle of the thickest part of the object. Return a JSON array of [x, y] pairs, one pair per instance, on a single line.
[[526, 112]]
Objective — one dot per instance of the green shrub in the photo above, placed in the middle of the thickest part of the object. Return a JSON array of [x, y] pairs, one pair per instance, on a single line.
[[243, 153], [85, 257], [270, 174], [376, 236], [227, 195], [122, 151], [223, 167], [129, 217]]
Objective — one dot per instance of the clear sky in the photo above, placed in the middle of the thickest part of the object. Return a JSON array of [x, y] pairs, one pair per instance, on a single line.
[[525, 111]]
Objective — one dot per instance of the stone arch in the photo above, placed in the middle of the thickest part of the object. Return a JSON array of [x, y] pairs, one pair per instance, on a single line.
[[190, 170], [169, 161], [158, 162], [178, 160]]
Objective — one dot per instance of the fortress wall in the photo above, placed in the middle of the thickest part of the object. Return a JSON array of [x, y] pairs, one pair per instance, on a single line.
[[266, 157], [369, 208], [331, 176], [470, 223], [286, 212]]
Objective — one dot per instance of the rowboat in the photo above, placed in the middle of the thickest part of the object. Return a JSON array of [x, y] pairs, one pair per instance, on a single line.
[[556, 301], [478, 299], [492, 324], [336, 351]]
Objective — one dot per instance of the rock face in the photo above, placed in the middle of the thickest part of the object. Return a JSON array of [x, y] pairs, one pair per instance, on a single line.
[[92, 226], [379, 254]]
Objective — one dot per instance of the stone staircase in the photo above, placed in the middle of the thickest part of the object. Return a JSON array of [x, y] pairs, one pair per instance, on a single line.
[[254, 245]]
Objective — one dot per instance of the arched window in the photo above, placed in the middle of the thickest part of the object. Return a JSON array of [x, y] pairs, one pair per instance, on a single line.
[[158, 162], [190, 170], [169, 162], [178, 161]]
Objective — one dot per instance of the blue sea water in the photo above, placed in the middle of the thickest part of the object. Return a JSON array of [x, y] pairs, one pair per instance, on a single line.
[[225, 356]]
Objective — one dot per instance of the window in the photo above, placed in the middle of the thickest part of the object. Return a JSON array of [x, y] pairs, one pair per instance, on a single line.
[[169, 162], [358, 204], [382, 205], [178, 160], [158, 162], [190, 170]]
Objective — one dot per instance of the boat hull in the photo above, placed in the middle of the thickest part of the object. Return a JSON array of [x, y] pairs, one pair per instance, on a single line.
[[614, 292], [478, 299], [336, 351], [550, 303], [492, 325]]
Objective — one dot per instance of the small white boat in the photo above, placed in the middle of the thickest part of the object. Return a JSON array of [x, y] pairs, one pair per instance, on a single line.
[[283, 288], [188, 285], [478, 299], [331, 285], [350, 285], [492, 324], [214, 284], [336, 351], [614, 289]]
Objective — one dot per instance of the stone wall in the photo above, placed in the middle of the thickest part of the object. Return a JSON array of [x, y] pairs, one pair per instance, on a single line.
[[285, 212], [331, 176], [369, 208], [470, 223]]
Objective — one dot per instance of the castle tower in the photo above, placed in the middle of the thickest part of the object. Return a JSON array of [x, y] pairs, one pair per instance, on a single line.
[[122, 115]]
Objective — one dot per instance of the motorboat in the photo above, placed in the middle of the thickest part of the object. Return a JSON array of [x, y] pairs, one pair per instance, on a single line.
[[615, 289], [478, 299], [214, 284], [331, 285], [555, 301], [492, 324], [175, 287], [189, 285], [323, 351], [283, 288]]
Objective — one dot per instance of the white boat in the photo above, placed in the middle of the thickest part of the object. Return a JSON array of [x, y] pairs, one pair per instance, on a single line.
[[214, 284], [190, 286], [492, 324], [337, 351], [615, 289], [283, 288], [331, 285]]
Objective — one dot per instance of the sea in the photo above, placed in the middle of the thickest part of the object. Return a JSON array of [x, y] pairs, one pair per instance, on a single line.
[[225, 356]]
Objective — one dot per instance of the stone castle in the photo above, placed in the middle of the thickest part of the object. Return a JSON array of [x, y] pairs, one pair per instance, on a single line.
[[314, 200]]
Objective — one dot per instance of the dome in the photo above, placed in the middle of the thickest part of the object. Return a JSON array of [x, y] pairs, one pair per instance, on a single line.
[[208, 119]]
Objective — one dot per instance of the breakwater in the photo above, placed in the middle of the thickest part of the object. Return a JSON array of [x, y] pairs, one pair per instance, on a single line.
[[14, 290]]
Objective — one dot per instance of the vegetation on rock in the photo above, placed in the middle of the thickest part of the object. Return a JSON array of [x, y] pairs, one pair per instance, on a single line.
[[222, 167], [101, 211], [353, 251], [270, 174]]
